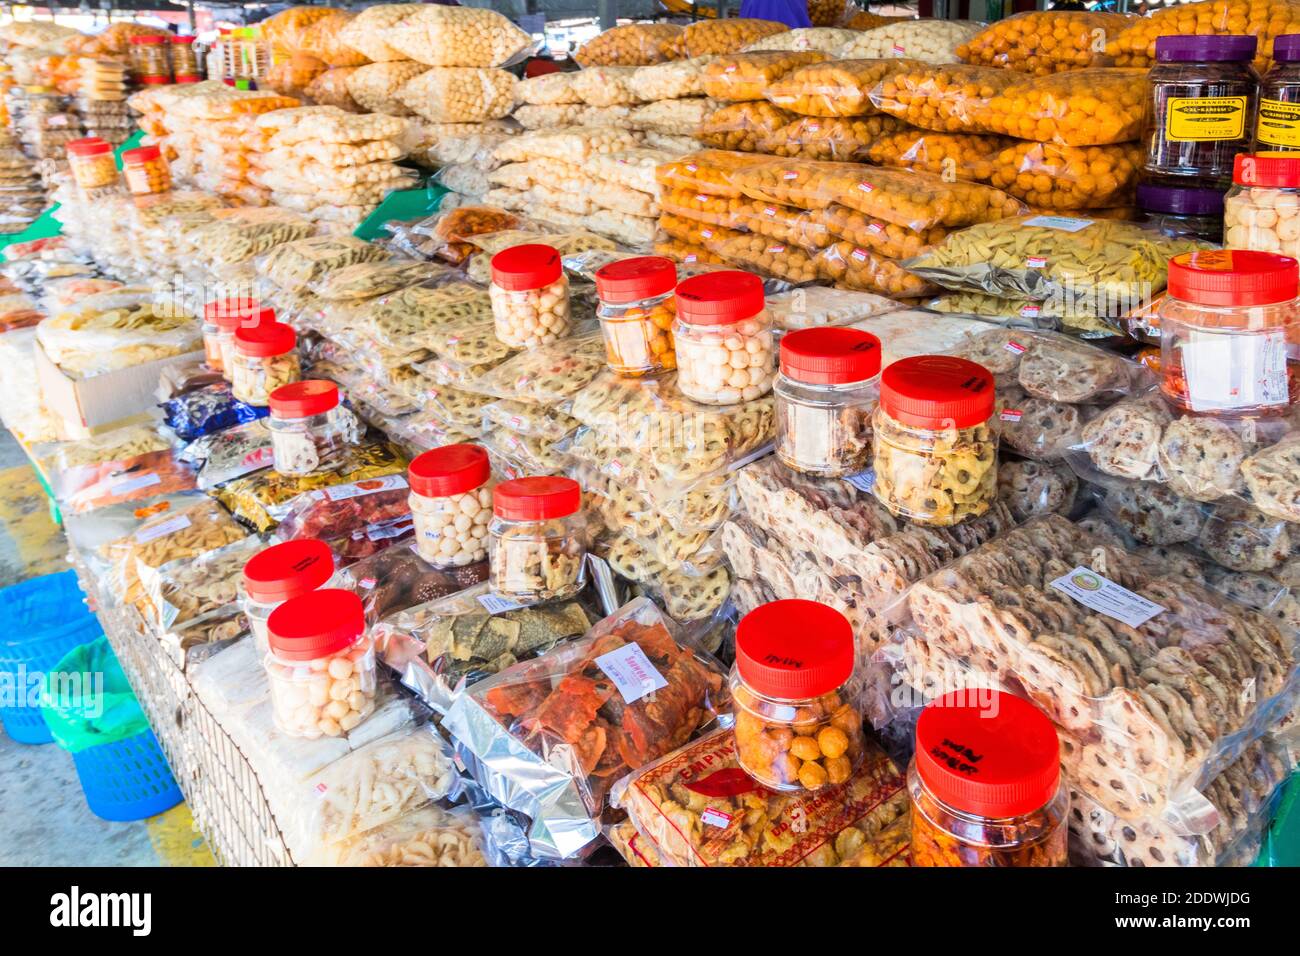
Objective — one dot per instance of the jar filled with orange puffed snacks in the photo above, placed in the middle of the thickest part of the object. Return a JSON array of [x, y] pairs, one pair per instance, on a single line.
[[724, 338], [797, 722], [986, 784], [637, 309], [93, 168], [146, 171]]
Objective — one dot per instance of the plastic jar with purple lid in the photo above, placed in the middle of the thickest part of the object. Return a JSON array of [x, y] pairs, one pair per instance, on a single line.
[[1202, 96], [1182, 212], [1278, 127]]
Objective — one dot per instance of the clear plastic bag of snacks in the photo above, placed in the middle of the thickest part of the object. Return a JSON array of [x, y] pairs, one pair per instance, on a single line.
[[929, 41], [684, 252], [834, 88], [855, 267], [295, 266], [631, 168], [587, 751], [747, 76], [785, 224], [547, 422], [376, 86], [826, 40], [839, 138], [453, 94], [366, 280], [458, 408], [742, 126], [950, 98], [313, 126], [1054, 257], [188, 592], [696, 233], [323, 40], [1079, 108], [566, 145], [1051, 176], [673, 117], [293, 75], [119, 444], [549, 373], [817, 306], [768, 257], [1042, 43], [457, 36], [715, 37], [883, 238], [235, 236], [398, 578], [549, 89], [408, 319], [367, 31], [331, 89], [340, 510], [230, 453], [430, 837], [707, 171], [1135, 45], [115, 330], [550, 116], [952, 155], [669, 81], [633, 44], [83, 488], [604, 86]]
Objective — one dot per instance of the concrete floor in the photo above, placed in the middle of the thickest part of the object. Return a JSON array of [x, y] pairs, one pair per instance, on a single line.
[[44, 819]]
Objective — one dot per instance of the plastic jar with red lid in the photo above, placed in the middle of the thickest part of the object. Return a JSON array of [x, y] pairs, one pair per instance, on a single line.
[[308, 426], [1261, 212], [451, 504], [986, 784], [1230, 332], [93, 167], [266, 357], [537, 541], [935, 446], [146, 171], [826, 394], [530, 296], [321, 665], [149, 59], [723, 334], [637, 308], [221, 319], [798, 723], [279, 573], [185, 64]]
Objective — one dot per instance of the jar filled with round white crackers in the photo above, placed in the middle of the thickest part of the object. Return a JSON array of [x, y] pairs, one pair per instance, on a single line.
[[724, 338], [537, 541], [451, 504], [308, 426], [935, 445], [1261, 211], [637, 308], [1229, 327], [321, 666], [280, 573], [266, 357], [826, 394], [530, 296]]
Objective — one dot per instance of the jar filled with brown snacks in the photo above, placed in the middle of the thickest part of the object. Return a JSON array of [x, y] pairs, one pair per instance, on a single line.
[[227, 316], [797, 726], [530, 296], [637, 308], [93, 169], [308, 426], [185, 64], [724, 338], [149, 59], [826, 394], [537, 542], [936, 448], [266, 357], [986, 784], [146, 171]]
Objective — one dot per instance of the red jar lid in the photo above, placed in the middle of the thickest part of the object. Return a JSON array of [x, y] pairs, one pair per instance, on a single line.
[[1275, 170], [288, 570], [937, 391], [148, 38], [182, 39], [230, 314], [1233, 277], [153, 80], [304, 399], [187, 78], [449, 470], [141, 154], [525, 267], [536, 499], [988, 753], [265, 339], [793, 650], [720, 298], [89, 146], [316, 625], [642, 277], [830, 356]]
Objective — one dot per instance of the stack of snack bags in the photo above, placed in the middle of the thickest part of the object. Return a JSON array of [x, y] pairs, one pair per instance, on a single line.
[[21, 195], [101, 100]]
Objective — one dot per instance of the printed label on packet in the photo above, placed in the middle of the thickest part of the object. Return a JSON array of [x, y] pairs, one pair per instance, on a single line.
[[899, 50], [715, 818], [1015, 348], [1106, 597], [875, 228], [128, 485], [1010, 414], [1029, 312], [863, 480], [495, 604], [170, 526], [1060, 223], [1036, 262], [789, 174], [631, 672], [860, 255], [367, 487], [866, 187]]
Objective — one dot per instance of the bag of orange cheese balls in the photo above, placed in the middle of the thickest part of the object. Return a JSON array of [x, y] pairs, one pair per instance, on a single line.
[[1046, 42], [1265, 19], [834, 88], [951, 155], [1051, 176]]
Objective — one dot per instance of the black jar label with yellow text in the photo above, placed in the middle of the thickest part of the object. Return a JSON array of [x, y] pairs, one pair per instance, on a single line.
[[1198, 119], [1279, 123]]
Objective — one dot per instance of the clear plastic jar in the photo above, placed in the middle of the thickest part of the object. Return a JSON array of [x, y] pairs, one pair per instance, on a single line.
[[1230, 332], [278, 574], [308, 426], [321, 665], [1262, 209], [451, 504], [146, 171], [826, 394], [266, 357], [537, 541], [936, 447], [1201, 100], [228, 316], [986, 784], [93, 168], [1182, 213], [530, 296], [1278, 127], [725, 352], [637, 309], [149, 59], [798, 726], [185, 64]]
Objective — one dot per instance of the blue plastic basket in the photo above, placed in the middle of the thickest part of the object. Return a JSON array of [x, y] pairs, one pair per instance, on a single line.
[[128, 779], [40, 621]]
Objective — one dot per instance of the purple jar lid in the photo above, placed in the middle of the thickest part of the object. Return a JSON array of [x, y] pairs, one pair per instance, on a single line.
[[1199, 47], [1286, 48], [1180, 201]]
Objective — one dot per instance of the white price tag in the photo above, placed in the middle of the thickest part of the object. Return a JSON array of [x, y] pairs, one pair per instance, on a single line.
[[496, 604], [367, 487], [170, 526], [1015, 348], [134, 483], [1036, 262], [1106, 597], [1235, 371], [715, 818], [1010, 414], [631, 672], [1062, 223]]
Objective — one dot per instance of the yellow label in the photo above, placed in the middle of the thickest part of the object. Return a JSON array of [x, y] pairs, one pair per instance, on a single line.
[[1195, 119], [1279, 123]]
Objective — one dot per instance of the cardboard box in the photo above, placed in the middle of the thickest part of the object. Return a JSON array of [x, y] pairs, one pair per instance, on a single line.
[[86, 406]]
